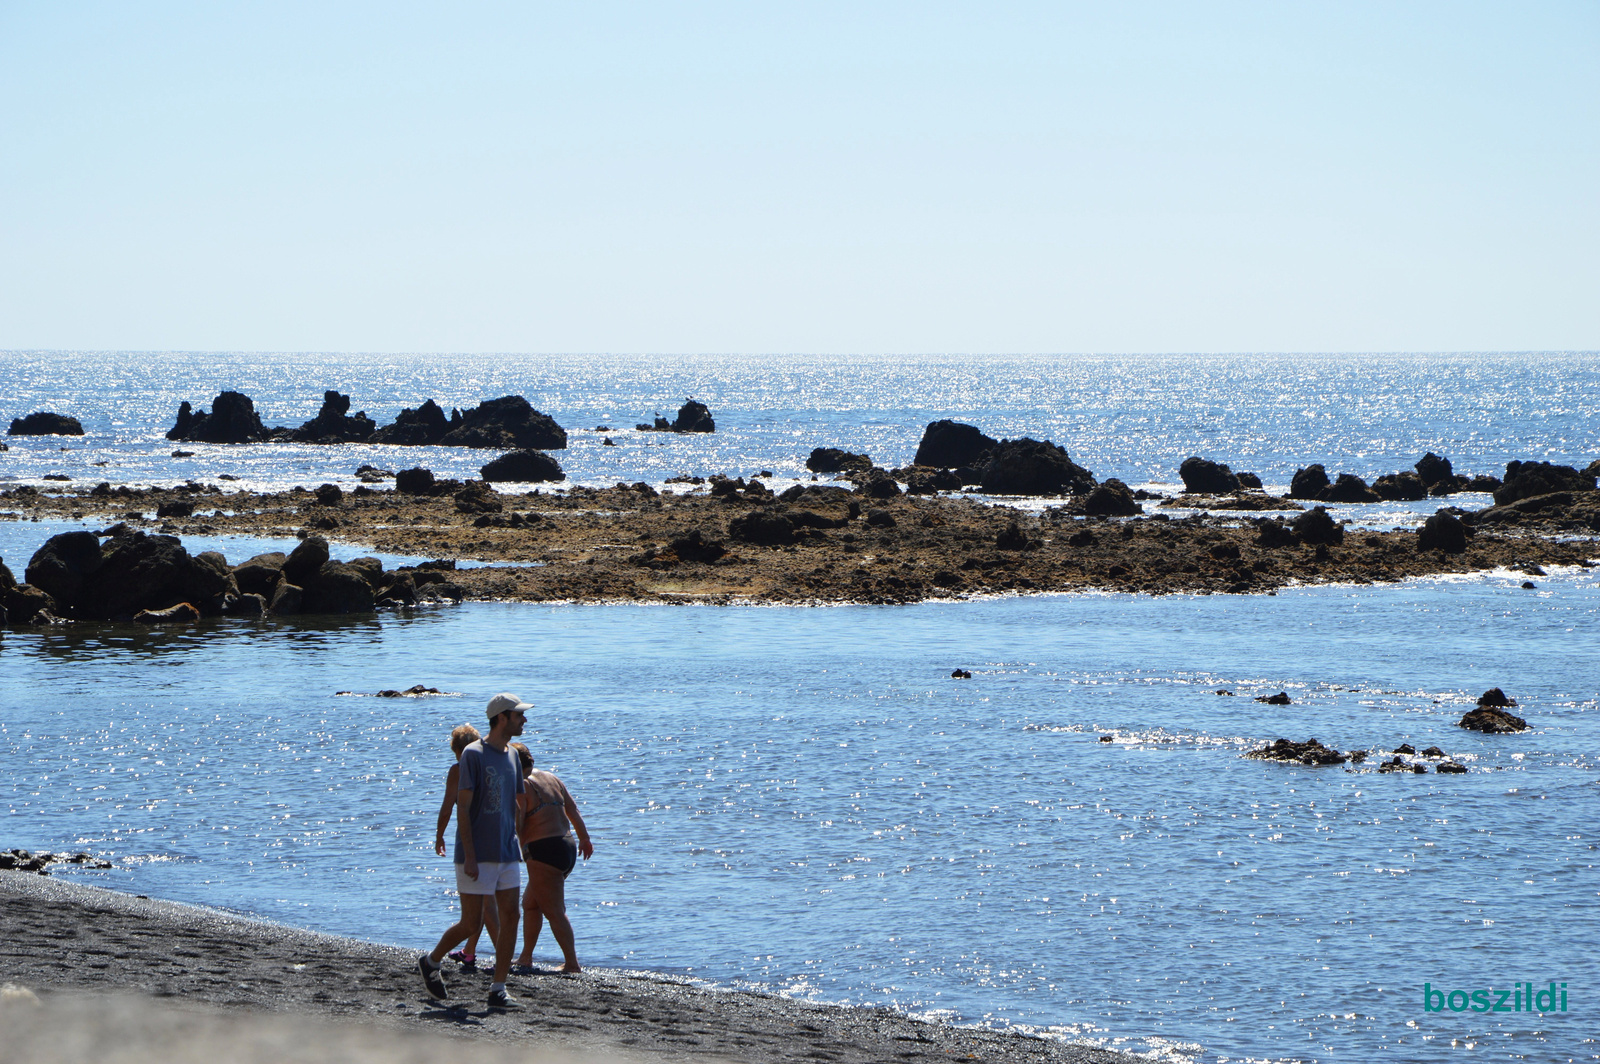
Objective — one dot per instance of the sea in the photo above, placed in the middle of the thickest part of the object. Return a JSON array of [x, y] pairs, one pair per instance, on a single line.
[[803, 800]]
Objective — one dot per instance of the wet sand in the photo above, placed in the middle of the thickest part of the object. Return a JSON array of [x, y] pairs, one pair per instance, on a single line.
[[122, 978], [615, 544]]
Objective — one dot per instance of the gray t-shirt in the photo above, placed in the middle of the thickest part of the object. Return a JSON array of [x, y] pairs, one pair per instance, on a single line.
[[495, 779]]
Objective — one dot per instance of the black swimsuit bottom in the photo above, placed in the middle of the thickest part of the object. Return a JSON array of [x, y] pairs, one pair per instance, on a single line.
[[558, 851]]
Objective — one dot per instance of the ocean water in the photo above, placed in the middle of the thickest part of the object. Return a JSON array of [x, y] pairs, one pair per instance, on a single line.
[[803, 800]]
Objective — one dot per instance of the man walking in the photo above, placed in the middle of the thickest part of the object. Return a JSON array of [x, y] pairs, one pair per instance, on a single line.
[[488, 854]]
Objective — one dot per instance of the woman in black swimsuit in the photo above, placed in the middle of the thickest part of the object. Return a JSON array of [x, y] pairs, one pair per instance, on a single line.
[[548, 820]]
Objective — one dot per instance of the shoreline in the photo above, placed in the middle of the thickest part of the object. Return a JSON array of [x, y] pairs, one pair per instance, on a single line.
[[829, 545], [63, 938]]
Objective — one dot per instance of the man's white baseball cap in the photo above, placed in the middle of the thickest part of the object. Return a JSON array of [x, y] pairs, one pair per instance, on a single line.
[[506, 703]]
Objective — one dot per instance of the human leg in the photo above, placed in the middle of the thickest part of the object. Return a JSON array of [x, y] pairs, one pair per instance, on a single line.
[[532, 921], [471, 916], [548, 886]]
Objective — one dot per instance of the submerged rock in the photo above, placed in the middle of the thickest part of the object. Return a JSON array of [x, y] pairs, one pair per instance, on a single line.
[[1310, 752]]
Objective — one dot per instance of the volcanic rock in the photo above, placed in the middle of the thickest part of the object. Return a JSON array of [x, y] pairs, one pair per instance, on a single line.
[[337, 588], [1032, 467], [507, 423], [1012, 537], [1204, 477], [523, 466], [1111, 499], [1310, 752], [286, 600], [422, 427], [232, 419], [329, 494], [950, 444], [334, 423], [1524, 480], [766, 528], [1274, 534], [64, 566], [260, 575], [695, 547], [1309, 483], [303, 563], [925, 480], [1492, 721], [1349, 488], [1442, 532], [44, 423], [1433, 469], [416, 481], [1400, 487], [1315, 526], [834, 460], [1494, 697], [477, 497], [694, 416]]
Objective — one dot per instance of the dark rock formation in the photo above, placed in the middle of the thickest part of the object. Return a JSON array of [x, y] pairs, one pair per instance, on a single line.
[[951, 445], [1442, 532], [1524, 480], [334, 423], [337, 588], [44, 423], [416, 481], [1496, 698], [329, 494], [130, 573], [878, 484], [1433, 469], [695, 547], [1279, 699], [694, 416], [1492, 721], [1274, 534], [1012, 537], [476, 497], [1111, 499], [766, 528], [1451, 768], [286, 600], [834, 460], [1309, 483], [260, 575], [1032, 467], [423, 427], [881, 518], [304, 562], [232, 419], [1400, 487], [507, 423], [1310, 752], [1316, 526], [1204, 477], [175, 508], [1349, 488], [522, 466]]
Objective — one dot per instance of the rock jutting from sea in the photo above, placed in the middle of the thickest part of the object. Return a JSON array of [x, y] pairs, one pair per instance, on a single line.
[[506, 423]]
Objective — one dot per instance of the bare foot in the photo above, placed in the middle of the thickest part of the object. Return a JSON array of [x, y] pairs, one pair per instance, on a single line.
[[572, 967]]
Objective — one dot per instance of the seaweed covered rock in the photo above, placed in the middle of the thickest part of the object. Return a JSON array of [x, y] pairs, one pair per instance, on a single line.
[[1310, 752], [950, 444], [507, 423], [1400, 487], [1201, 476], [522, 466], [1317, 526], [1111, 498], [1492, 721], [1348, 487], [334, 423], [45, 423], [1524, 480], [424, 426], [1443, 532], [1308, 483], [834, 460], [233, 419], [766, 528], [1034, 467]]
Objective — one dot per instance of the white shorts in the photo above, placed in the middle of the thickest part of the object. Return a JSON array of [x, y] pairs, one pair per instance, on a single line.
[[492, 877]]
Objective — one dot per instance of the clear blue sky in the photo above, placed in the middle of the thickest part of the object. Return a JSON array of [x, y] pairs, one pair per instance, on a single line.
[[755, 177]]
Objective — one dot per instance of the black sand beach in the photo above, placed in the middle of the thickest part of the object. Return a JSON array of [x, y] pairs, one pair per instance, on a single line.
[[119, 977]]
